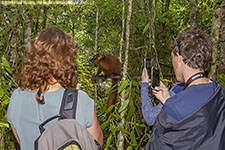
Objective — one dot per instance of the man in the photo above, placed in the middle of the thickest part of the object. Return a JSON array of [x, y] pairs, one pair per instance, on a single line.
[[193, 117]]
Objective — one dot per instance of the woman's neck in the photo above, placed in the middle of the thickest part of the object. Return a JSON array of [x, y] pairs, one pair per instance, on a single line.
[[53, 87]]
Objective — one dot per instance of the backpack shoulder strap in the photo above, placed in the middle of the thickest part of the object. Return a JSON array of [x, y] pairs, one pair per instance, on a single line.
[[69, 104], [67, 109]]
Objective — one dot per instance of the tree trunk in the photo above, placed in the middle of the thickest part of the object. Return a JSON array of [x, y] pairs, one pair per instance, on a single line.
[[1, 137], [150, 21], [37, 22], [222, 52], [216, 22], [151, 27], [44, 17], [167, 5], [122, 33], [96, 44], [27, 27], [10, 53], [120, 138], [17, 45], [56, 16], [96, 28], [192, 13]]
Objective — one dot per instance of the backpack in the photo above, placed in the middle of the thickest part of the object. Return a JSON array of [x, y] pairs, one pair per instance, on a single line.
[[66, 133]]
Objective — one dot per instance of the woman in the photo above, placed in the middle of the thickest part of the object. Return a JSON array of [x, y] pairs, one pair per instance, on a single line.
[[49, 68]]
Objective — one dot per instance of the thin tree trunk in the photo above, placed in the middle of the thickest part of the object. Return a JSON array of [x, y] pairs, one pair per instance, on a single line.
[[27, 27], [56, 16], [167, 5], [10, 53], [192, 13], [1, 133], [44, 17], [120, 138], [222, 52], [163, 26], [151, 26], [122, 34], [96, 44], [17, 45], [150, 21], [12, 47], [216, 22], [37, 22], [96, 27]]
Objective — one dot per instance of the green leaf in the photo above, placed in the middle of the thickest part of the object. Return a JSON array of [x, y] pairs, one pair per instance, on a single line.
[[5, 102], [109, 109], [134, 83], [132, 137], [3, 124], [132, 93], [109, 141], [129, 148], [146, 28], [123, 86], [137, 130], [1, 92], [6, 64], [105, 124], [123, 130], [3, 41], [132, 109], [7, 30], [142, 3], [124, 106]]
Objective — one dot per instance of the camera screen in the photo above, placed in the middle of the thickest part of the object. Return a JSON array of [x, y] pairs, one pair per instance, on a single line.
[[147, 65], [155, 79]]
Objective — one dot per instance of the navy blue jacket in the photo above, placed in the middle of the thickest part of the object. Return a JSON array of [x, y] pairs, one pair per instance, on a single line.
[[204, 129]]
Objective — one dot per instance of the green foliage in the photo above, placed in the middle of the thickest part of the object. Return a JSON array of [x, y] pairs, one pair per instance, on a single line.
[[204, 15], [85, 71], [135, 130], [7, 141], [221, 79]]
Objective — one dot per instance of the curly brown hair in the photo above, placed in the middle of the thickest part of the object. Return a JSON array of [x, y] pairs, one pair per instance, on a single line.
[[52, 55], [194, 46]]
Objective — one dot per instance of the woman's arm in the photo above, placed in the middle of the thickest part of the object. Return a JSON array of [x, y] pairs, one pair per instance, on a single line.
[[15, 134], [96, 131], [149, 112]]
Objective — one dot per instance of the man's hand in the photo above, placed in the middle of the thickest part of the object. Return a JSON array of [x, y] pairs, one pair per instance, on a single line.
[[161, 92]]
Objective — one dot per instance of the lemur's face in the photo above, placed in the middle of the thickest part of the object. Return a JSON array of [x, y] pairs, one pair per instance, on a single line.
[[97, 58]]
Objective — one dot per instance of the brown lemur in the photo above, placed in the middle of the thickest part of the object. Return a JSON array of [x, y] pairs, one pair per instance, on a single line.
[[110, 65]]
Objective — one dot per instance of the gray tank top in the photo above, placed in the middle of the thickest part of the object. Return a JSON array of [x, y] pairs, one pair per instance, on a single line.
[[25, 114]]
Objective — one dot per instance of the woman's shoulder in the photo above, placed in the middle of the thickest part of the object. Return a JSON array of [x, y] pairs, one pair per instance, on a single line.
[[84, 96], [85, 101], [21, 92]]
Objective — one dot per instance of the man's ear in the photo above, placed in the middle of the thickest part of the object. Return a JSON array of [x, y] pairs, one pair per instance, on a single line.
[[180, 58]]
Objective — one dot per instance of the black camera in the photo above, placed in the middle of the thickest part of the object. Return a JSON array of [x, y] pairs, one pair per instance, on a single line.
[[147, 65], [155, 77]]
